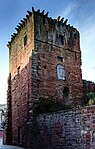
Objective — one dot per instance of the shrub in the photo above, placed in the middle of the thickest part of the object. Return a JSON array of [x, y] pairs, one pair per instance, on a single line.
[[88, 99], [43, 105]]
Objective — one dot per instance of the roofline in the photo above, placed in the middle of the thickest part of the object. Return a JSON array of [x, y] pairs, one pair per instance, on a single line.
[[24, 21]]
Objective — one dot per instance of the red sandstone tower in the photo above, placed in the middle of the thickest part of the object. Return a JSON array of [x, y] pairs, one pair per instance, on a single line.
[[44, 60]]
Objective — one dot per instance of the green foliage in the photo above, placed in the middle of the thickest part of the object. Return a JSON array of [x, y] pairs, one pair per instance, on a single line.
[[43, 105], [91, 102], [89, 99], [91, 95]]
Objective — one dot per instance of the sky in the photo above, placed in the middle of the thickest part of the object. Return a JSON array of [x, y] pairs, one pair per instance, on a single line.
[[80, 14]]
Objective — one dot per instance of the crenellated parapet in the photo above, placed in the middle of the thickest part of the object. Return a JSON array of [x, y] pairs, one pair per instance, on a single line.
[[59, 21]]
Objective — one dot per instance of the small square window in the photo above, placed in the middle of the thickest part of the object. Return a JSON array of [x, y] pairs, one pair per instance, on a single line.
[[60, 59]]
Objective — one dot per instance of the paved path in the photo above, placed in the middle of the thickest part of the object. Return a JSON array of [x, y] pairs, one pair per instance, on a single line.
[[1, 140], [10, 147]]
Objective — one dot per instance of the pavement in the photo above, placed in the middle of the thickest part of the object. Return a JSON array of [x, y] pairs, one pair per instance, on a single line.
[[1, 140], [8, 146]]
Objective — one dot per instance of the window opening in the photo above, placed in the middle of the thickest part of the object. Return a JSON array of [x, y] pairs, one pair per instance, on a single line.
[[25, 40], [61, 40], [20, 135], [46, 34], [66, 92], [60, 58], [18, 70], [75, 56], [60, 72], [44, 67]]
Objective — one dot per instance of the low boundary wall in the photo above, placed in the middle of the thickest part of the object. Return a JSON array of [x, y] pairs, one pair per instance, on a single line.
[[73, 129]]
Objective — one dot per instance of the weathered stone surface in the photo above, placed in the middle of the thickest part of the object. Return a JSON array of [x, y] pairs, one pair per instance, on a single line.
[[40, 45], [88, 86], [8, 117], [66, 129], [49, 47]]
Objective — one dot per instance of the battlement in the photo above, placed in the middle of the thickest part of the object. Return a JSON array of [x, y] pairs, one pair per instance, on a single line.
[[59, 21]]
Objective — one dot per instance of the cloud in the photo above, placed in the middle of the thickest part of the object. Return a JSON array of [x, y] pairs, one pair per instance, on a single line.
[[88, 51], [69, 9], [81, 15], [88, 37]]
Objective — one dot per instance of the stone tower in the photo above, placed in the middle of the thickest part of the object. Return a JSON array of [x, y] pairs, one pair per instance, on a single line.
[[44, 60]]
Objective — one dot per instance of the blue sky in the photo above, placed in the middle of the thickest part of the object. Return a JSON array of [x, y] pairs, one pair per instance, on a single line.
[[80, 14]]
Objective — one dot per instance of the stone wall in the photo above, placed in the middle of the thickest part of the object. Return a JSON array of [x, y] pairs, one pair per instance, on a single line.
[[21, 95], [58, 43], [8, 116], [39, 46], [73, 129], [88, 86], [19, 98]]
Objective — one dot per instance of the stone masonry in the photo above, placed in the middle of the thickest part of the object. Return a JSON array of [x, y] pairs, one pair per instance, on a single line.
[[44, 60], [88, 86], [73, 129]]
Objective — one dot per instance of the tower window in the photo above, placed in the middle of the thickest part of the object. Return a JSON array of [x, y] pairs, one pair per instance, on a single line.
[[61, 40], [75, 56], [18, 70], [66, 91], [60, 72], [60, 59], [20, 135], [25, 40]]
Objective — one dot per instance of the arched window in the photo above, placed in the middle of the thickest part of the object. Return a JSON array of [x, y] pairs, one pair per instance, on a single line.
[[60, 72]]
